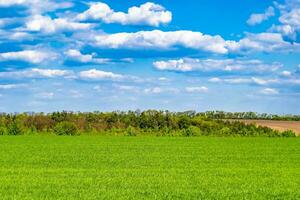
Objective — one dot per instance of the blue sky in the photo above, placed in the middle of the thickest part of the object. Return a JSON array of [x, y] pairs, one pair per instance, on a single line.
[[184, 55]]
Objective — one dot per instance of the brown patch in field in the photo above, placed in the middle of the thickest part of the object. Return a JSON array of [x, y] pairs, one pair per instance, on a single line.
[[277, 125]]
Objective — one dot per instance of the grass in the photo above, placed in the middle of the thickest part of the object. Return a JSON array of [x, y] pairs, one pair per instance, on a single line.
[[87, 167]]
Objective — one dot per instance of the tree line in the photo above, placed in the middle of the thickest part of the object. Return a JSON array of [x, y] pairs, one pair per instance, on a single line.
[[133, 123], [250, 115]]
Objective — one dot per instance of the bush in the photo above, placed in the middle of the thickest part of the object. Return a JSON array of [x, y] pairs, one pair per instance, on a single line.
[[3, 131], [288, 133], [130, 131], [225, 131], [192, 131], [65, 128], [14, 129]]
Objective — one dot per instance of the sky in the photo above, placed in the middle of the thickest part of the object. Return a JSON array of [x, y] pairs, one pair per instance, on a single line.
[[168, 55]]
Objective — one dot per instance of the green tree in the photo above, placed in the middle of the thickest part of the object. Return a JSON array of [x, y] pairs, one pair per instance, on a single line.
[[65, 128]]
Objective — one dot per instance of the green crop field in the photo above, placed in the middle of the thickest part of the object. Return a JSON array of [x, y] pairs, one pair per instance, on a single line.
[[95, 167]]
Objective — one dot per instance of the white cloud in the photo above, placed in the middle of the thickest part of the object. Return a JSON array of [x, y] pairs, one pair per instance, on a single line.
[[260, 81], [170, 40], [20, 36], [46, 24], [6, 3], [159, 90], [289, 19], [286, 73], [163, 79], [285, 30], [196, 89], [157, 39], [12, 86], [50, 73], [7, 21], [239, 80], [92, 74], [37, 6], [36, 73], [95, 74], [215, 80], [259, 18], [263, 42], [155, 90], [14, 35], [229, 65], [147, 14], [32, 56], [76, 55], [269, 91]]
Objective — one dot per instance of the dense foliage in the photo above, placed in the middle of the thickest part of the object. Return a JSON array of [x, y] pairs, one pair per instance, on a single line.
[[249, 115], [151, 122]]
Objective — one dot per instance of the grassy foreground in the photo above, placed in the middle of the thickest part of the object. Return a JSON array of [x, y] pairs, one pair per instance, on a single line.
[[87, 167]]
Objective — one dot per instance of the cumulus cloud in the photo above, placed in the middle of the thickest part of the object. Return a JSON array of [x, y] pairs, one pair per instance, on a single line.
[[269, 91], [163, 40], [94, 74], [37, 73], [14, 35], [31, 56], [206, 65], [37, 6], [196, 89], [289, 19], [170, 40], [263, 42], [150, 14], [76, 55], [7, 3], [290, 23], [259, 18], [45, 24]]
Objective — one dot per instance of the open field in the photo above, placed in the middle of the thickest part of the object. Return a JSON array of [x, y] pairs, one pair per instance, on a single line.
[[87, 167], [277, 125]]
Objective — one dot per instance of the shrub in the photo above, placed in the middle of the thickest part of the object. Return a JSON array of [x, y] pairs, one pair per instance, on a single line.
[[3, 131], [225, 131], [65, 128], [130, 131], [14, 129], [192, 131], [288, 133]]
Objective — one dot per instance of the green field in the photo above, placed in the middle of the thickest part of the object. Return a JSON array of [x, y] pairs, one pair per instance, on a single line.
[[91, 167]]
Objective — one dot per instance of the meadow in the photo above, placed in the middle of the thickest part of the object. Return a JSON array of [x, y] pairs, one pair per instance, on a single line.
[[104, 167]]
